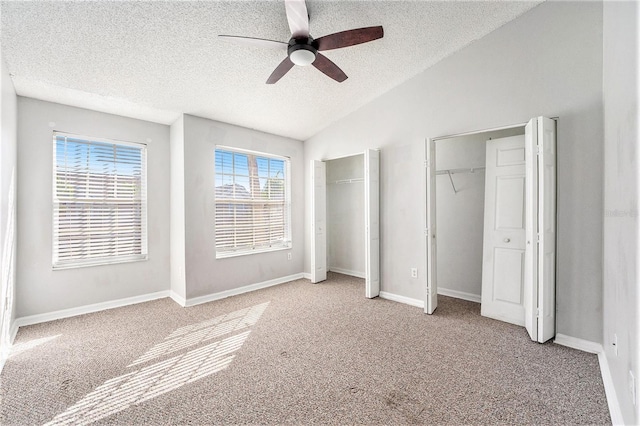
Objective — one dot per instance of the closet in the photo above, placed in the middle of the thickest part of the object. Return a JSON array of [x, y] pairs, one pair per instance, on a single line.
[[460, 212], [490, 223], [345, 218]]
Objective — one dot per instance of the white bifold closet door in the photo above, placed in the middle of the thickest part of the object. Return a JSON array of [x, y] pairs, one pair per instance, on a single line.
[[372, 222], [540, 261], [503, 253], [431, 299], [318, 221]]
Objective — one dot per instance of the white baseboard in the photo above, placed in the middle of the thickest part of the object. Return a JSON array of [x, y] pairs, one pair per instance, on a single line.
[[4, 354], [402, 299], [13, 330], [348, 272], [233, 292], [306, 276], [459, 295], [609, 389], [87, 309], [596, 348], [580, 344], [177, 298]]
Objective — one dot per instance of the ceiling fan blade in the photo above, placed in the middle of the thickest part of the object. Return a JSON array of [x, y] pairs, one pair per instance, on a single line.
[[298, 18], [280, 70], [255, 42], [349, 38], [325, 65]]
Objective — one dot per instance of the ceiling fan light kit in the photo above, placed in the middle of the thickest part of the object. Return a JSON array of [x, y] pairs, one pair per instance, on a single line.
[[303, 50]]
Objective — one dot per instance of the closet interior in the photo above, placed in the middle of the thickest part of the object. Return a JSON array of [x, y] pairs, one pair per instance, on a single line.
[[346, 215], [460, 211]]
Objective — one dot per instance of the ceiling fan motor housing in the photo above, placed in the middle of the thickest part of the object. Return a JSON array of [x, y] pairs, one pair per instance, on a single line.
[[302, 51]]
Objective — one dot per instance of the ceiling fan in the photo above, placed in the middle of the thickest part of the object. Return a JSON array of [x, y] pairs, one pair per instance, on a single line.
[[303, 50]]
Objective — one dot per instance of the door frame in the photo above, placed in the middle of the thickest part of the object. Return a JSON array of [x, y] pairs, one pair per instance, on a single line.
[[430, 225], [372, 285]]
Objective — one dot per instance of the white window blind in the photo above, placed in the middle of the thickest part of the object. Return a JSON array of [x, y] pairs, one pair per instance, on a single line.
[[99, 201], [253, 206]]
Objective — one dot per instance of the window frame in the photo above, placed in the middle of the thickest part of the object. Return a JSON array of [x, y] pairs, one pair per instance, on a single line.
[[106, 260], [287, 243]]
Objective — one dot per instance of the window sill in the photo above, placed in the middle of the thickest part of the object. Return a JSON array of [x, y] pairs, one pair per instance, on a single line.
[[227, 254], [98, 262]]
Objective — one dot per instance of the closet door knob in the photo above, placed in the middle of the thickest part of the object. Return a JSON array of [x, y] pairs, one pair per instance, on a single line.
[[507, 240]]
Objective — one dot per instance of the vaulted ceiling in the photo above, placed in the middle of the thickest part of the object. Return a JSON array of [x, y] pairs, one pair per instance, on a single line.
[[157, 59]]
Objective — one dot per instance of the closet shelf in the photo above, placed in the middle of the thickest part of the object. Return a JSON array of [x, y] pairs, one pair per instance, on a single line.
[[344, 181]]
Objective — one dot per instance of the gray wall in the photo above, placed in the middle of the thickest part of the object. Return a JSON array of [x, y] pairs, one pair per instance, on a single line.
[[621, 201], [546, 62], [39, 288], [345, 216], [460, 216], [204, 273], [8, 175]]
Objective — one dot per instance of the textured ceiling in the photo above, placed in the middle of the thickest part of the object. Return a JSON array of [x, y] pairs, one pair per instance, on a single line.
[[155, 60]]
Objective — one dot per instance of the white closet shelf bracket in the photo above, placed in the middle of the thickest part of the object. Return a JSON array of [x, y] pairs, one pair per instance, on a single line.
[[450, 172]]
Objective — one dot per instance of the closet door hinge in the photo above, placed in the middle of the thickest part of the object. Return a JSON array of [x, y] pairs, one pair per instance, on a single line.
[[426, 164]]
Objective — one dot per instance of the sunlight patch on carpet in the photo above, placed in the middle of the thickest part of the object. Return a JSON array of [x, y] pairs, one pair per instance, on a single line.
[[156, 379], [19, 348], [201, 332]]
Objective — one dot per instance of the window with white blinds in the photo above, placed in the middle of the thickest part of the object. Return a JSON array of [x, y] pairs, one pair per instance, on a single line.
[[99, 201], [253, 203]]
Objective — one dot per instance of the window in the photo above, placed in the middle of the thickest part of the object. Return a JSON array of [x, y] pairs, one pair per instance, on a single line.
[[253, 205], [99, 201]]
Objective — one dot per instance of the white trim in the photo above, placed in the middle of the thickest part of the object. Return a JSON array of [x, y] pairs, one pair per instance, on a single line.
[[4, 355], [609, 389], [13, 331], [580, 344], [349, 272], [177, 298], [459, 295], [402, 299], [235, 291], [306, 276], [87, 309]]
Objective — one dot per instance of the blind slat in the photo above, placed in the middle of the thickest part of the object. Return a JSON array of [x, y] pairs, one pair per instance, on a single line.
[[252, 205], [99, 201]]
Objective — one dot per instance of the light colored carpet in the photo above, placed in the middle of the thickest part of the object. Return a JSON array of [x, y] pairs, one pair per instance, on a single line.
[[296, 353]]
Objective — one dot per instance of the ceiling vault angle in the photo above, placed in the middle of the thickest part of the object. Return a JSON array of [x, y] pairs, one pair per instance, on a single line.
[[156, 60]]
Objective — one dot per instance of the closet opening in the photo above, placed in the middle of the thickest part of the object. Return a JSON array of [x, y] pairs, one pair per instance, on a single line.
[[345, 215], [490, 216]]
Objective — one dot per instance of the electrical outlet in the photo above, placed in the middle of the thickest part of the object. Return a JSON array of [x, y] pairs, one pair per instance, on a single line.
[[288, 256], [632, 387], [414, 272], [614, 343]]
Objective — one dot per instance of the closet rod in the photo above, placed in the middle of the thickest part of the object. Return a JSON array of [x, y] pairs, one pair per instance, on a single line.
[[454, 171], [343, 181]]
